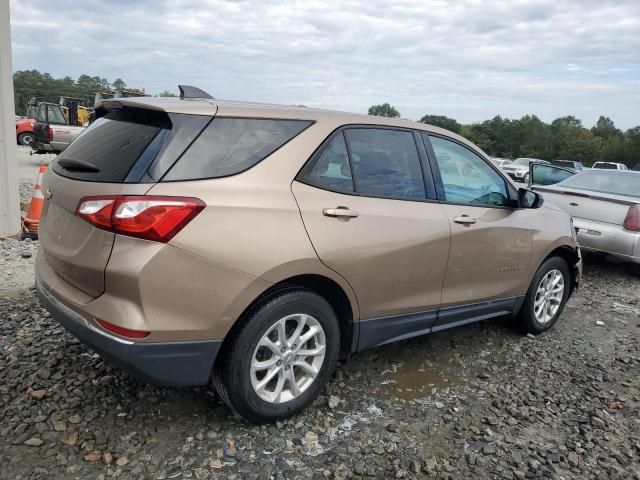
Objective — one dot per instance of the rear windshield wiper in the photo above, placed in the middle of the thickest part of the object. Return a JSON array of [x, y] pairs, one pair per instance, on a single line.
[[73, 164]]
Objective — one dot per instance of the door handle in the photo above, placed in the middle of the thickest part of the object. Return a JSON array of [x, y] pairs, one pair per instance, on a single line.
[[465, 220], [343, 212]]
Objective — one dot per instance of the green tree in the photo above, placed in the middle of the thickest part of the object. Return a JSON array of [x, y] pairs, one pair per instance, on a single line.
[[167, 93], [118, 84], [384, 110], [443, 122], [43, 87], [605, 128]]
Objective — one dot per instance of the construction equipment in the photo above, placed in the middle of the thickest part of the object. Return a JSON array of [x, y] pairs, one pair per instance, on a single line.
[[75, 110]]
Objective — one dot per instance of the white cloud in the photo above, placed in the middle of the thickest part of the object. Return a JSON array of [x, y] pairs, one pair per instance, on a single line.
[[467, 59]]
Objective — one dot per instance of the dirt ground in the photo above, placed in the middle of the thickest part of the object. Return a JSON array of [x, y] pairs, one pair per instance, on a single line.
[[479, 401]]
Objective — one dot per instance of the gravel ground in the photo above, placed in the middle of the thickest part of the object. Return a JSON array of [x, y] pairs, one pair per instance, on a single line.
[[476, 402]]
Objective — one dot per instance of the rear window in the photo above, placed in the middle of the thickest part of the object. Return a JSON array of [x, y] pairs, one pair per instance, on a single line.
[[619, 183], [563, 163], [129, 146], [605, 166], [231, 145]]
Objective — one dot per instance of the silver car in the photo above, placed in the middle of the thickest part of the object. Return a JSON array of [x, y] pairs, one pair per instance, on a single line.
[[604, 204]]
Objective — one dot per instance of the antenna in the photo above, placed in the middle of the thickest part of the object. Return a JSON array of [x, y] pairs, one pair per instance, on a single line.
[[187, 91]]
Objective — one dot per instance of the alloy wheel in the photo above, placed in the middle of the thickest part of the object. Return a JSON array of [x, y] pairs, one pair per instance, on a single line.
[[288, 358], [548, 296]]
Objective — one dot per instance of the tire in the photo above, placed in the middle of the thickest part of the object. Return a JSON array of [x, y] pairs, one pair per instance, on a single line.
[[24, 138], [528, 319], [239, 385]]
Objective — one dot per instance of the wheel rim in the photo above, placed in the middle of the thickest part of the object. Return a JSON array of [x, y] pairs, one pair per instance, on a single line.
[[288, 358], [549, 296], [26, 139]]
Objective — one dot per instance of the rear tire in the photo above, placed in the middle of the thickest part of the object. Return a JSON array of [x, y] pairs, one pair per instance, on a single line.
[[260, 374], [25, 138], [546, 297]]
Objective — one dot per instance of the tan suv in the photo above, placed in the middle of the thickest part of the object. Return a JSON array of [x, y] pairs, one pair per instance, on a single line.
[[191, 240]]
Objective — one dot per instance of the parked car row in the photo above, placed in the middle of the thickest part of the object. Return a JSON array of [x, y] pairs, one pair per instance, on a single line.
[[604, 205]]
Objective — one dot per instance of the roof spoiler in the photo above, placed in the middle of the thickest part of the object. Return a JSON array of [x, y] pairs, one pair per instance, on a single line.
[[187, 91]]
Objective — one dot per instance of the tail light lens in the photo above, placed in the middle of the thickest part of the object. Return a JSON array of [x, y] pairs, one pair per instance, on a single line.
[[153, 218], [632, 222], [50, 134]]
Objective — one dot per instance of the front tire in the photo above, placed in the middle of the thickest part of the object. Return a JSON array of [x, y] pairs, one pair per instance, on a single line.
[[280, 358], [25, 138], [546, 297]]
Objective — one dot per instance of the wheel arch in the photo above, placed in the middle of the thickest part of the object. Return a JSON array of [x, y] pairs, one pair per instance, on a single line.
[[327, 288], [571, 255]]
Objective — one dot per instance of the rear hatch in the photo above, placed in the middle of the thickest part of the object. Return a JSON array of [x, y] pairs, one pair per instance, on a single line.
[[124, 152]]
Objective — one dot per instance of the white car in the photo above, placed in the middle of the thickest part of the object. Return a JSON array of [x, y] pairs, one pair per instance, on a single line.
[[610, 166], [501, 162], [519, 168]]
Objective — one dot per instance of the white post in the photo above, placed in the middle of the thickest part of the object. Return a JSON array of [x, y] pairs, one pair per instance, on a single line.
[[9, 194]]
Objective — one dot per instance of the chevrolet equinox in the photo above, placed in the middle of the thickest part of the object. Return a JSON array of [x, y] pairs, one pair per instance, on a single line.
[[191, 240]]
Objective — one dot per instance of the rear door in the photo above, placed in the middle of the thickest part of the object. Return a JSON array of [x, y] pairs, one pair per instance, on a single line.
[[491, 241], [124, 152], [367, 214]]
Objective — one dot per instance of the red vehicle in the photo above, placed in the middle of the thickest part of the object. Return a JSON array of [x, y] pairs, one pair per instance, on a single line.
[[24, 130]]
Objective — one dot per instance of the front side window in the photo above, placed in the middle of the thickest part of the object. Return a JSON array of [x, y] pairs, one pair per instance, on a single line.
[[331, 170], [385, 163], [231, 145], [466, 177]]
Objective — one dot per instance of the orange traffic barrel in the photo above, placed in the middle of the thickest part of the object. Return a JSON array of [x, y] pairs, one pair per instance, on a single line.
[[32, 220]]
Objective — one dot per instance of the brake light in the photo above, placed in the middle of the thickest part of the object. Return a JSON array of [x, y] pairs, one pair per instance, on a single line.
[[123, 332], [50, 134], [152, 217], [632, 222]]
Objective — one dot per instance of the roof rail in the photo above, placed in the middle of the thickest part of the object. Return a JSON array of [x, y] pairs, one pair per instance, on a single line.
[[187, 91]]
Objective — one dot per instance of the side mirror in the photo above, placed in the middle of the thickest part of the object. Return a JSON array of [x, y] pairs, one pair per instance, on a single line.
[[529, 199]]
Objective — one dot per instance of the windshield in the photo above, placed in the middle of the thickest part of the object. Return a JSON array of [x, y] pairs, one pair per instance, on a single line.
[[522, 161], [618, 183]]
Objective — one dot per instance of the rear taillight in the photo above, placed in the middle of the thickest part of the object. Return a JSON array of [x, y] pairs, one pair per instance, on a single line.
[[150, 217], [632, 222], [123, 332], [50, 134]]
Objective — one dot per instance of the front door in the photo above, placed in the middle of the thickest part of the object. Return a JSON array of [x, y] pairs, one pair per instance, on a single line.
[[491, 239], [375, 226]]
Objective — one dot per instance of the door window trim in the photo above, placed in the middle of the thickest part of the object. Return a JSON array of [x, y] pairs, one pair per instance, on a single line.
[[435, 168], [427, 177]]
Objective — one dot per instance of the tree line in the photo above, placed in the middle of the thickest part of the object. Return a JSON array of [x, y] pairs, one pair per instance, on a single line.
[[564, 138], [44, 87]]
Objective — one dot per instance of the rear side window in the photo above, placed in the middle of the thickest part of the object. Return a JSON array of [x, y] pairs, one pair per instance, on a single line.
[[331, 170], [231, 145], [385, 163]]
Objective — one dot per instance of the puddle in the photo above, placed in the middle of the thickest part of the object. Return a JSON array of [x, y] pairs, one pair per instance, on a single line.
[[416, 378]]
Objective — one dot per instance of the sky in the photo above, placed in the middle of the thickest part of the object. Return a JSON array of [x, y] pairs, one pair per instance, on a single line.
[[467, 59]]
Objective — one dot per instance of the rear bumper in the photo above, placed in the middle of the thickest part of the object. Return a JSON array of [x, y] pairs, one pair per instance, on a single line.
[[608, 238], [158, 363]]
